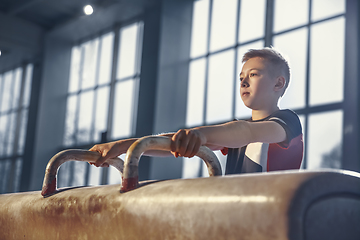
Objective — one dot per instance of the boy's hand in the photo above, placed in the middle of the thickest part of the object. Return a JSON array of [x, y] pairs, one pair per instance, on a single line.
[[187, 142], [106, 150]]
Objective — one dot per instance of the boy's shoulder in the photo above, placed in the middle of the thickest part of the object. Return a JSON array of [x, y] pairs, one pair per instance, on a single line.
[[284, 113], [288, 119], [280, 114]]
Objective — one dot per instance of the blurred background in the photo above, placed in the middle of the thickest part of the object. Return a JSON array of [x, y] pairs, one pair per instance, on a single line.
[[71, 78]]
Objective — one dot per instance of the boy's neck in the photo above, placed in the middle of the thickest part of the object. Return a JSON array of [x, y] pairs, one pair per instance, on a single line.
[[261, 114]]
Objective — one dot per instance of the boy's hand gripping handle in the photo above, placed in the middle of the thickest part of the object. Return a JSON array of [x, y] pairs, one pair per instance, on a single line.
[[129, 169], [130, 177]]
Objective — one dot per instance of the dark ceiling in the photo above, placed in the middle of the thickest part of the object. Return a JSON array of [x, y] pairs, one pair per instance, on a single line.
[[25, 23], [49, 14]]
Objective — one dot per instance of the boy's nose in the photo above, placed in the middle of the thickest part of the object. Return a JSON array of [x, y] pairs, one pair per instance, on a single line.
[[244, 83]]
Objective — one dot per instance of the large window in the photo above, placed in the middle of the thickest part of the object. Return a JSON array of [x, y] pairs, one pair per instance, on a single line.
[[304, 31], [102, 96], [15, 88]]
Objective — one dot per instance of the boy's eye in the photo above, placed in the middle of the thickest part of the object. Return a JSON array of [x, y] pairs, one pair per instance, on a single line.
[[241, 79], [252, 74]]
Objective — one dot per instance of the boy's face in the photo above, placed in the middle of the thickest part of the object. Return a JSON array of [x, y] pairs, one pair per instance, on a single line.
[[257, 84]]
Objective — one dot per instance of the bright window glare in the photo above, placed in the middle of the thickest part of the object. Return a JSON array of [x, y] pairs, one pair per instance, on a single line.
[[220, 83], [79, 177], [7, 93], [14, 103], [223, 24], [327, 62], [94, 176], [85, 116], [326, 8], [257, 27], [324, 141], [127, 51], [191, 167], [88, 10], [196, 93], [293, 46], [75, 69], [124, 100], [102, 100], [89, 64], [71, 116], [200, 28], [289, 14]]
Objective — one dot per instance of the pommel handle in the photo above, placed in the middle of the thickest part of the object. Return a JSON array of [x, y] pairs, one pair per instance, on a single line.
[[50, 185], [130, 175]]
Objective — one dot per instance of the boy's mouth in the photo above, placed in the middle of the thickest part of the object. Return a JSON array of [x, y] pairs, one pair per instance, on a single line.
[[245, 94]]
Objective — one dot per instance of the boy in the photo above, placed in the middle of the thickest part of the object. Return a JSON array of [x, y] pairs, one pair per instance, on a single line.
[[270, 140]]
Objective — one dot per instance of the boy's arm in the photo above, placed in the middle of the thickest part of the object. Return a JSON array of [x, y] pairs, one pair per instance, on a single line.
[[111, 149], [234, 134], [116, 148]]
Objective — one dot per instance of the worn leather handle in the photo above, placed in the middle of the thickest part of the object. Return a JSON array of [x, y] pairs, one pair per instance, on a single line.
[[50, 184], [130, 177], [129, 169]]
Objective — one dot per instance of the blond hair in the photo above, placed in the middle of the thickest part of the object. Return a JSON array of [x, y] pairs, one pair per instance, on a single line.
[[273, 57]]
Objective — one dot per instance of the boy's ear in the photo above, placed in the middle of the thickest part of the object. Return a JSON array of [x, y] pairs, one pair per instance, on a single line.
[[280, 83]]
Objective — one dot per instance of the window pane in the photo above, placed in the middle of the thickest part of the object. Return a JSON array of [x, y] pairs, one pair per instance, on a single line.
[[22, 132], [1, 89], [199, 32], [16, 90], [3, 133], [293, 45], [326, 8], [303, 125], [75, 69], [222, 160], [69, 135], [255, 28], [27, 87], [7, 91], [290, 13], [107, 42], [85, 116], [327, 62], [123, 109], [114, 176], [94, 176], [4, 175], [223, 24], [79, 173], [195, 95], [18, 168], [89, 63], [324, 140], [64, 174], [191, 167], [127, 51], [241, 111], [102, 101], [11, 133], [220, 87]]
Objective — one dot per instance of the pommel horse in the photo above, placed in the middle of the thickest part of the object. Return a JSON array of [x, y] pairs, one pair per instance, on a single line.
[[278, 205]]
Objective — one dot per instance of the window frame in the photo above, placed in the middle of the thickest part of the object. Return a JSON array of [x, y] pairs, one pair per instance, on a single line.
[[106, 136], [268, 37], [11, 181]]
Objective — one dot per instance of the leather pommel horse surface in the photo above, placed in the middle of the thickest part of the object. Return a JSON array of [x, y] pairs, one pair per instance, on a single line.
[[279, 205]]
